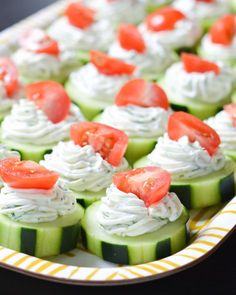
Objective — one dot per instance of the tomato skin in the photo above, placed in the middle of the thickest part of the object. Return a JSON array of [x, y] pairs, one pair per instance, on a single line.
[[231, 110], [142, 93], [9, 76], [109, 142], [183, 124], [206, 1], [150, 184], [51, 97], [109, 65], [164, 19], [224, 30], [79, 15], [26, 174], [37, 41], [194, 64], [130, 38]]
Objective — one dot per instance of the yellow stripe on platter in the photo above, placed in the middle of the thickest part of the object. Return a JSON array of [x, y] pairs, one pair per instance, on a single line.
[[123, 276], [216, 228], [111, 276], [146, 269], [57, 270], [92, 274], [212, 235], [9, 256], [134, 272], [44, 266], [171, 263], [21, 260], [228, 212], [211, 244], [158, 266], [186, 256], [74, 271], [198, 249], [33, 263]]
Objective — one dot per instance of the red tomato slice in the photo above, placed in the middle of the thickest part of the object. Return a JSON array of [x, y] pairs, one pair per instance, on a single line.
[[164, 19], [150, 184], [9, 76], [130, 38], [142, 93], [224, 30], [183, 124], [79, 15], [206, 1], [38, 41], [51, 97], [231, 110], [109, 142], [26, 174], [195, 64], [109, 65]]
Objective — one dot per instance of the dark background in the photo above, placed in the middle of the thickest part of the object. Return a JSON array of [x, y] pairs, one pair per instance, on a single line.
[[215, 275]]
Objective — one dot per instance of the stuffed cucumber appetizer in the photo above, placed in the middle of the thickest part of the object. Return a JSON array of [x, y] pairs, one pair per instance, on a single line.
[[220, 42], [224, 124], [37, 215], [151, 58], [141, 110], [10, 86], [40, 57], [94, 86], [138, 220], [206, 12], [172, 28], [40, 121], [118, 11], [197, 86], [153, 5], [87, 162], [201, 175], [78, 30]]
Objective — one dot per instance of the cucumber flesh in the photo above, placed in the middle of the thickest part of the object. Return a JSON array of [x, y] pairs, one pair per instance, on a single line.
[[87, 198], [27, 151], [203, 191], [137, 147], [133, 250], [89, 107], [41, 239], [202, 110]]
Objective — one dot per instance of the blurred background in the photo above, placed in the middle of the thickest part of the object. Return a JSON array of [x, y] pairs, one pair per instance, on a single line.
[[12, 11]]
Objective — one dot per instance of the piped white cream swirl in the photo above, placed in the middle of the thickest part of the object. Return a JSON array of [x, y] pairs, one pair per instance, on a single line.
[[80, 168], [218, 52], [183, 159], [72, 37], [28, 124], [35, 205], [118, 11], [124, 214], [6, 102], [207, 87], [37, 65], [185, 34], [223, 125], [201, 10], [90, 83], [155, 59], [137, 121]]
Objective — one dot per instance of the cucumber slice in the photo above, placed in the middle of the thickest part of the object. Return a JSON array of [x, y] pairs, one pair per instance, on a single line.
[[27, 151], [41, 239], [203, 191], [230, 153], [137, 147], [87, 198], [202, 110], [132, 250], [89, 107]]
